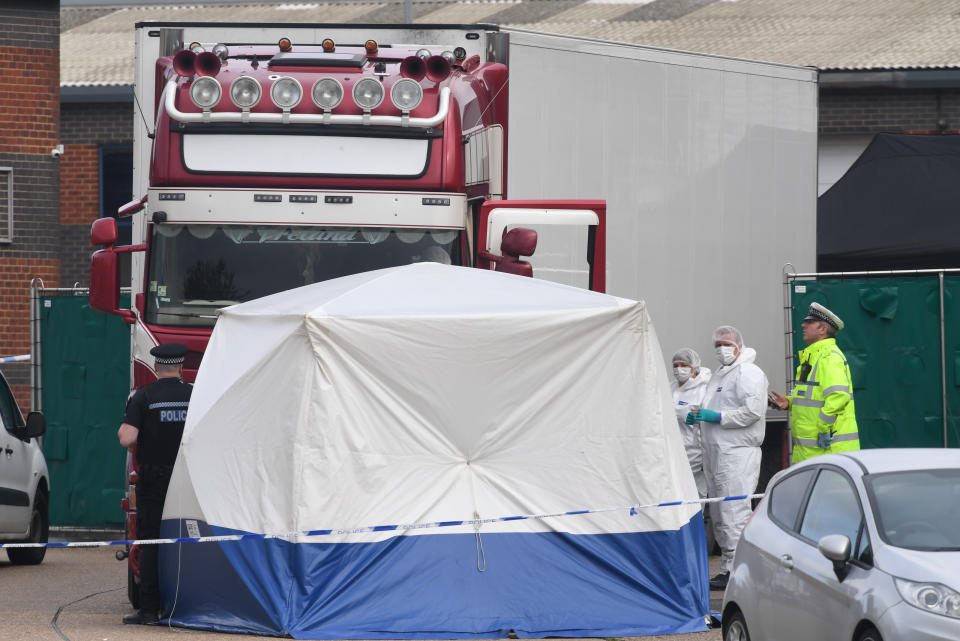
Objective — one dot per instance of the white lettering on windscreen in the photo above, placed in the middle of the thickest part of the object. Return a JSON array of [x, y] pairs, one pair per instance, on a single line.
[[306, 236]]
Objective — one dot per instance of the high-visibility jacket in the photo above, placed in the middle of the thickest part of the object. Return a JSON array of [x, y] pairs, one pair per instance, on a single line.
[[822, 402]]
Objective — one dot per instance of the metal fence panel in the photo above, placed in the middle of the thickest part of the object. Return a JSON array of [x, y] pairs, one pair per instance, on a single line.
[[85, 377], [892, 340]]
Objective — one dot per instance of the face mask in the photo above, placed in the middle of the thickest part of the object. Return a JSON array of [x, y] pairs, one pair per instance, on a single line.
[[725, 354], [682, 374]]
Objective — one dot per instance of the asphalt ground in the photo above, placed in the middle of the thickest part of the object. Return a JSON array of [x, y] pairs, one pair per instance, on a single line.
[[79, 594]]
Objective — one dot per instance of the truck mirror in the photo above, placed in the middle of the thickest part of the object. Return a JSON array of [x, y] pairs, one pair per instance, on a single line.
[[36, 425], [519, 242], [105, 281], [103, 231]]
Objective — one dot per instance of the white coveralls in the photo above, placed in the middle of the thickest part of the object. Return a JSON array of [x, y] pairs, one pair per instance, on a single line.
[[691, 393], [731, 448]]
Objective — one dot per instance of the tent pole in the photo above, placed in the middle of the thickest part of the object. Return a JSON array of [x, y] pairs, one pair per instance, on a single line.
[[943, 368]]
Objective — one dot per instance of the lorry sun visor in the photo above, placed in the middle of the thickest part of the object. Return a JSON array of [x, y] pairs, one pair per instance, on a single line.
[[318, 59]]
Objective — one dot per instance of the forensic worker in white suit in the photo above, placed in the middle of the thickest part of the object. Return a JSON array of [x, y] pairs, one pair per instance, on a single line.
[[689, 385], [732, 425]]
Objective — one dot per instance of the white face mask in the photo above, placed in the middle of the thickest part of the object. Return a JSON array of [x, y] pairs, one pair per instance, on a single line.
[[682, 374], [725, 354]]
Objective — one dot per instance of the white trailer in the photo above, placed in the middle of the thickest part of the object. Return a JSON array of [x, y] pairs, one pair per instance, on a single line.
[[708, 165]]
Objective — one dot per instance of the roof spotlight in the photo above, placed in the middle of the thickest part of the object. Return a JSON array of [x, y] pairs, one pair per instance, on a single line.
[[368, 93], [423, 53], [196, 47], [205, 92], [328, 45], [245, 92], [286, 92], [406, 94], [459, 53], [221, 50], [285, 44], [371, 47], [327, 93], [449, 57]]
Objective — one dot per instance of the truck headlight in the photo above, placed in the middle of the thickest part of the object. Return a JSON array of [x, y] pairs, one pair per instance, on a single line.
[[327, 93], [368, 93], [286, 92], [930, 597], [406, 94], [205, 92], [245, 92]]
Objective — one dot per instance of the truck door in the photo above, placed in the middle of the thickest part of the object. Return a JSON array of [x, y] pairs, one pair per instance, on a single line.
[[507, 234], [15, 477]]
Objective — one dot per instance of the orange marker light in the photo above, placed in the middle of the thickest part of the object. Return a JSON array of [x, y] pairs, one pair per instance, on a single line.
[[371, 46], [328, 45], [285, 44]]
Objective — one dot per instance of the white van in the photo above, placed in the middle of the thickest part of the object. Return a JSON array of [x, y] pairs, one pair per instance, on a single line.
[[24, 480]]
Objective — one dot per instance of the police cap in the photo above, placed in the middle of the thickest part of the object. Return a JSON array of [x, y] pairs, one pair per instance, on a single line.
[[818, 312], [169, 354]]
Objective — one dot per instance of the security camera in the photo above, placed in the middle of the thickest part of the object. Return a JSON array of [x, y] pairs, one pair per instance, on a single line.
[[56, 152]]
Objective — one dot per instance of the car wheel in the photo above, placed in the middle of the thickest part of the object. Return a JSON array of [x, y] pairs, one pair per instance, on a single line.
[[735, 627], [39, 533], [869, 633], [133, 588]]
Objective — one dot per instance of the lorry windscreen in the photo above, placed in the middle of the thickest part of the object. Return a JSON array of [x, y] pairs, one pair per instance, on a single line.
[[197, 269]]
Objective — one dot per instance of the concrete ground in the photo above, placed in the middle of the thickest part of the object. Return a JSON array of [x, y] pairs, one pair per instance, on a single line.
[[80, 594]]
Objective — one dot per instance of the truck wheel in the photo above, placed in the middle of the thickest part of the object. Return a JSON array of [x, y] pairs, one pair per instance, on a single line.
[[133, 588], [39, 533]]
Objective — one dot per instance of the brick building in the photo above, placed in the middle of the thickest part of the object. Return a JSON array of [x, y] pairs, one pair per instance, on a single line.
[[30, 223]]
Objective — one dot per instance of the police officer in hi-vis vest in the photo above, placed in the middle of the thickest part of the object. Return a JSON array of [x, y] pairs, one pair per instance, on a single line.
[[822, 416], [154, 421]]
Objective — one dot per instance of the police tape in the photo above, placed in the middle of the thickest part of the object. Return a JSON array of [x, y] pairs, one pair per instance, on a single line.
[[633, 510]]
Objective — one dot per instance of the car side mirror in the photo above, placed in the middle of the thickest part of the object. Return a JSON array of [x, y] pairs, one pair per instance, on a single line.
[[36, 425], [836, 547]]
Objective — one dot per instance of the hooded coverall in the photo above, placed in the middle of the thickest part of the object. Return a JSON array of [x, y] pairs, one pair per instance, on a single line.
[[822, 402], [690, 394], [731, 448]]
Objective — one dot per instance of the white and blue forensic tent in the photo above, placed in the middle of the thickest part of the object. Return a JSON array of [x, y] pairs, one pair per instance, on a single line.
[[431, 393]]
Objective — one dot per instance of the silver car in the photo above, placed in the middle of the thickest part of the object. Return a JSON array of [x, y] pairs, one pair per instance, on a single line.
[[859, 546]]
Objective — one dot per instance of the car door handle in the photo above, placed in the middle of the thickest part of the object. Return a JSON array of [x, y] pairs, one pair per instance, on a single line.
[[786, 561]]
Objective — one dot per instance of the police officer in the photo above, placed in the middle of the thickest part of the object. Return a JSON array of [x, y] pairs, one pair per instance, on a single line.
[[154, 422], [822, 415]]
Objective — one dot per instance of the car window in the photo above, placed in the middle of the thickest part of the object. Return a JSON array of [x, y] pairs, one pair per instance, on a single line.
[[7, 406], [832, 509], [786, 497], [910, 508]]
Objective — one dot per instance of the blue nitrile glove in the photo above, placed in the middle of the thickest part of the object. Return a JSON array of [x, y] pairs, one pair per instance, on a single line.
[[823, 440], [691, 418], [709, 416]]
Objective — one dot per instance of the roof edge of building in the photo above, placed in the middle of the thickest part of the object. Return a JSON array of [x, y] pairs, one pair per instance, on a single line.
[[907, 78], [96, 93]]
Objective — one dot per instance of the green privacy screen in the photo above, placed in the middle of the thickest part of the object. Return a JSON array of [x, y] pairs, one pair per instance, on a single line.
[[892, 342], [85, 374]]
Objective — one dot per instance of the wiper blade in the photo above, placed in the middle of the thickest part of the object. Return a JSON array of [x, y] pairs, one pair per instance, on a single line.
[[185, 315]]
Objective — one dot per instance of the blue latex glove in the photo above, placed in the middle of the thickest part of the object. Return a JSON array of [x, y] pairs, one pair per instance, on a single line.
[[824, 440], [691, 418], [708, 415]]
